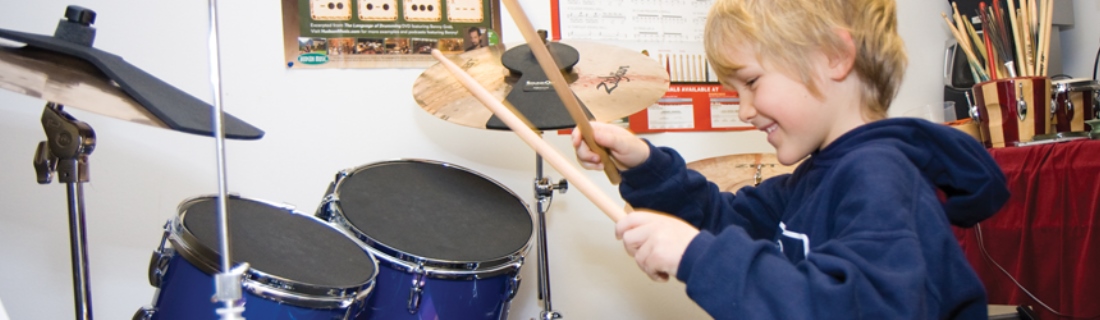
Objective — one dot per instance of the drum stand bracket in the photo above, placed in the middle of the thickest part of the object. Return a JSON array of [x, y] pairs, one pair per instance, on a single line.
[[544, 192], [65, 152]]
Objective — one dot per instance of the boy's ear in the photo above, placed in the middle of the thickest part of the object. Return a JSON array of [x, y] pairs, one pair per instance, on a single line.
[[840, 64]]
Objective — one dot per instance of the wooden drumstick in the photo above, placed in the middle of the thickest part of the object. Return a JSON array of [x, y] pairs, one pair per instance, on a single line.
[[522, 128], [553, 73]]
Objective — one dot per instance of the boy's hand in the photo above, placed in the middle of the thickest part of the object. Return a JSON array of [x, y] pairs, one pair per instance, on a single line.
[[656, 241], [629, 150]]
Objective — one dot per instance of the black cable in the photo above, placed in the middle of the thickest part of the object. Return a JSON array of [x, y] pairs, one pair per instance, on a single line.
[[1096, 65]]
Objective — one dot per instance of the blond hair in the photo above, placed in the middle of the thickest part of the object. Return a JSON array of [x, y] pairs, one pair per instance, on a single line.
[[784, 31]]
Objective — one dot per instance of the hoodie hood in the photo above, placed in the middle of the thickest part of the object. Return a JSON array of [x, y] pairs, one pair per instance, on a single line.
[[956, 163]]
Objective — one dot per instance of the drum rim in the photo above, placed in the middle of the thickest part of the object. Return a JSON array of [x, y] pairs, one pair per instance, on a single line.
[[259, 282], [438, 268], [1075, 85]]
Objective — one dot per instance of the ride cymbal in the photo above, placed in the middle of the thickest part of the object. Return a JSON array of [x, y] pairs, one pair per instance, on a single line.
[[731, 172], [611, 82]]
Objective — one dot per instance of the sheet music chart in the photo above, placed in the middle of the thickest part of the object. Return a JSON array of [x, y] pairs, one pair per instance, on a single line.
[[670, 31]]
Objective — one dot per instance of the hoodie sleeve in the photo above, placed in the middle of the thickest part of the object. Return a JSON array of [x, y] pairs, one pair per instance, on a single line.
[[664, 183], [868, 255]]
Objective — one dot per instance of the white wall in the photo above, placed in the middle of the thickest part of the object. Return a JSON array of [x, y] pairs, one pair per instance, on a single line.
[[319, 122]]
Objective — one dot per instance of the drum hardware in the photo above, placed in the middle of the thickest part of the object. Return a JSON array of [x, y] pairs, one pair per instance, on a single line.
[[343, 278], [544, 193], [973, 107], [1095, 105], [417, 288], [1021, 105], [454, 252], [66, 70], [69, 143], [513, 287], [158, 263]]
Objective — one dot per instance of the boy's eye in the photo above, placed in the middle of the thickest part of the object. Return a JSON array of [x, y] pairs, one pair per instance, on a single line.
[[751, 82]]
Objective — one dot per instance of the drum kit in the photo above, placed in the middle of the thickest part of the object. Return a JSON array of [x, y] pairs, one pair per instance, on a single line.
[[1024, 111], [354, 257]]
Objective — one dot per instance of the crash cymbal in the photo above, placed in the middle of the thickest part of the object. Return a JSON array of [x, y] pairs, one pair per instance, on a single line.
[[611, 82], [70, 82], [731, 172]]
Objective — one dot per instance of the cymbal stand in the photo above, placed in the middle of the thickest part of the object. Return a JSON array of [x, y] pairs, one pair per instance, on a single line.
[[544, 192], [69, 142], [227, 284]]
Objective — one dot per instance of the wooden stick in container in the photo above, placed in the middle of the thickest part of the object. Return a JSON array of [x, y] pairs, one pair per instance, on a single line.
[[1048, 14], [521, 128], [977, 40], [1026, 34], [1020, 63], [975, 64]]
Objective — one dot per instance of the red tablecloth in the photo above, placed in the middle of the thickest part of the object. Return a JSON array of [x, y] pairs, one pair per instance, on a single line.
[[1047, 236]]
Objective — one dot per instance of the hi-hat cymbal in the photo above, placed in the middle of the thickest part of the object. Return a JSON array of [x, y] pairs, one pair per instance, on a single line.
[[70, 82], [731, 172], [611, 82]]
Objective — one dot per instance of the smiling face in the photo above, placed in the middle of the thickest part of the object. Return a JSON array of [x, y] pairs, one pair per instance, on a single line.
[[475, 37], [797, 121]]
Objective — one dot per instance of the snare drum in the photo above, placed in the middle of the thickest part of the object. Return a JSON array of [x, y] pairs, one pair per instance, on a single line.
[[1012, 110], [300, 267], [450, 242], [1075, 101]]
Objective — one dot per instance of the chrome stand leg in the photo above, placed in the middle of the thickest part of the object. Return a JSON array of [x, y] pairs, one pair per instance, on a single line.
[[78, 243], [544, 192]]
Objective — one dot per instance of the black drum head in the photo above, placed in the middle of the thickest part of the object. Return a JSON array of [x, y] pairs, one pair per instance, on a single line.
[[435, 211], [281, 243]]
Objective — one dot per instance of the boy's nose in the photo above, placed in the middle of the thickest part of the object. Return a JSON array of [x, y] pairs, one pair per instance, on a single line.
[[747, 111]]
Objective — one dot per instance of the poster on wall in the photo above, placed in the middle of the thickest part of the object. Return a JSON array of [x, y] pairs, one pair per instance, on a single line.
[[691, 107], [384, 33], [671, 32]]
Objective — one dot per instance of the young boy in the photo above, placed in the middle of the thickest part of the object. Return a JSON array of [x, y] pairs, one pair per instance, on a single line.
[[861, 229]]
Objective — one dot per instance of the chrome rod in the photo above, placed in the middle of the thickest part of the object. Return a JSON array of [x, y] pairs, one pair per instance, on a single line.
[[228, 291], [544, 192], [78, 245]]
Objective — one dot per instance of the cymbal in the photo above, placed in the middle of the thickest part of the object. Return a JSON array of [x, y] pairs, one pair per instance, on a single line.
[[732, 172], [70, 82], [611, 82], [177, 110]]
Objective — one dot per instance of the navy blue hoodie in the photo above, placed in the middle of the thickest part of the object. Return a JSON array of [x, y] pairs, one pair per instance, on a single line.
[[856, 232]]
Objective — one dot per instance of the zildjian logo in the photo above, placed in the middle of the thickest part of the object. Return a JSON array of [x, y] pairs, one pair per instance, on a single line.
[[611, 82]]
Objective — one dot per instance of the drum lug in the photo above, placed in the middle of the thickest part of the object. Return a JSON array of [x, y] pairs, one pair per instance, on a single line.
[[973, 108], [158, 263], [1021, 105], [419, 277], [513, 287], [145, 313], [1096, 104], [327, 210]]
